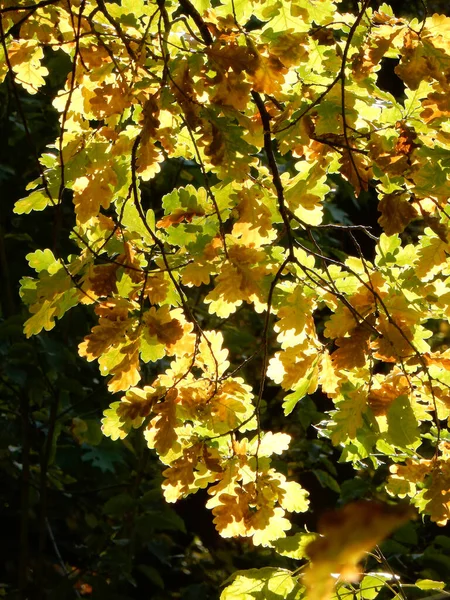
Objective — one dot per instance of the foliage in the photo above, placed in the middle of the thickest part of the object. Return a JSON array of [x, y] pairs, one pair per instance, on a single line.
[[201, 152]]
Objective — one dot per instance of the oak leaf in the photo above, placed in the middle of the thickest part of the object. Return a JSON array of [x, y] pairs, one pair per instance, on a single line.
[[396, 213], [348, 417], [25, 57], [352, 351], [357, 169], [384, 390], [180, 476], [295, 319], [123, 364], [267, 74], [165, 423], [288, 367], [92, 191]]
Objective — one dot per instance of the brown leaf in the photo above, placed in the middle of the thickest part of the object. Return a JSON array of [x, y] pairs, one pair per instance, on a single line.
[[353, 350], [166, 422], [357, 169], [178, 216], [385, 390], [396, 213]]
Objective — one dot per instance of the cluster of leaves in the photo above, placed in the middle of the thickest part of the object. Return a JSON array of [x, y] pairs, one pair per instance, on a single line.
[[269, 103]]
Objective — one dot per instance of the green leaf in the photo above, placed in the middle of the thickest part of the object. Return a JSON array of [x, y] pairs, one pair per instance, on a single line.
[[387, 249], [429, 584], [403, 428], [37, 200], [263, 584], [131, 219], [43, 260], [326, 480], [370, 586], [294, 546], [112, 425], [150, 349]]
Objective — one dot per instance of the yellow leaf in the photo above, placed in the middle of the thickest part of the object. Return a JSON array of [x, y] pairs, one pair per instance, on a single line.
[[348, 417], [384, 390], [272, 443], [437, 495], [328, 378], [295, 498], [104, 335], [25, 57], [126, 373], [254, 224], [93, 191], [148, 160], [211, 357], [432, 253], [268, 76], [295, 319], [196, 274], [290, 366]]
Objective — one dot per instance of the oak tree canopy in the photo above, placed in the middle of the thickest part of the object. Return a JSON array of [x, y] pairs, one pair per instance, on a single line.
[[268, 109]]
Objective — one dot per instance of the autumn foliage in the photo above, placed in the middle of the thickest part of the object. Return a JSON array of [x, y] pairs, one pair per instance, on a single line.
[[273, 102]]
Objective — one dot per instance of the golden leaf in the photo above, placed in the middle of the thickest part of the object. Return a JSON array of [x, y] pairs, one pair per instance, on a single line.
[[232, 90], [165, 423], [110, 98], [163, 326], [328, 378], [211, 357], [100, 280], [196, 274], [254, 223], [290, 47], [235, 283], [432, 253], [230, 56], [357, 169], [394, 344], [92, 191], [384, 390], [290, 366], [268, 75], [126, 373], [156, 287], [230, 405], [148, 159], [348, 417], [295, 319], [436, 106], [346, 535], [413, 67], [104, 335], [180, 474], [437, 495], [179, 215], [137, 404], [230, 513]]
